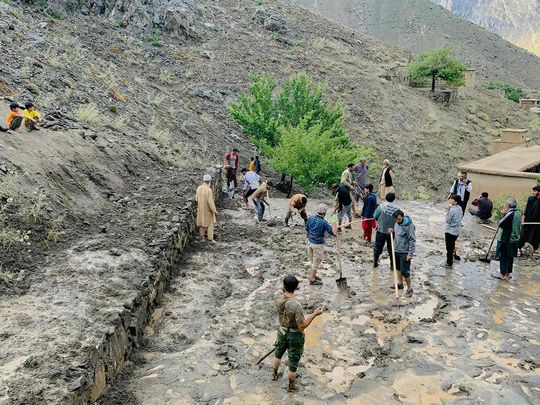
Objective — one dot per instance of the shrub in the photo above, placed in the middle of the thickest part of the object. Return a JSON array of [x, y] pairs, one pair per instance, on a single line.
[[500, 203], [511, 93], [88, 113], [154, 39]]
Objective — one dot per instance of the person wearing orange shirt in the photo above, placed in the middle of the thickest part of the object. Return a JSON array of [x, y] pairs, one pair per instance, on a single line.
[[14, 118]]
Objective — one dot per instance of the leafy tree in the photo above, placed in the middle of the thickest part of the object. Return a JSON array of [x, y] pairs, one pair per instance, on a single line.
[[261, 114], [314, 155], [439, 64], [300, 97], [256, 112]]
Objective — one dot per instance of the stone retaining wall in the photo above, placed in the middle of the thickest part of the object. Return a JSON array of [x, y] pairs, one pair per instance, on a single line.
[[124, 332]]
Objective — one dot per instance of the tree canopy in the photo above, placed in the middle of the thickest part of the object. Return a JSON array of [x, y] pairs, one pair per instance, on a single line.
[[300, 130], [439, 64]]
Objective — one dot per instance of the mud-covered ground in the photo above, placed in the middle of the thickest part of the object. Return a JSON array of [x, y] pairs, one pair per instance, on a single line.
[[464, 337]]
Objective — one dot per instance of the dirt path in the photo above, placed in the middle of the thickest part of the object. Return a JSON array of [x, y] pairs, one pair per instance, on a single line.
[[464, 337]]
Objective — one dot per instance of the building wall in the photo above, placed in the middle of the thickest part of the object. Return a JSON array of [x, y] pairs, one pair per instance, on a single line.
[[498, 186]]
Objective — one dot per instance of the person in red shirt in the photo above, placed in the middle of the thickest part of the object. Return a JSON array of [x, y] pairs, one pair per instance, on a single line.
[[232, 164]]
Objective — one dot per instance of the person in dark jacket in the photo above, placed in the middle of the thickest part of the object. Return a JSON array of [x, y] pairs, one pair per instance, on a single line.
[[531, 233], [257, 165], [405, 247], [508, 238], [485, 208], [370, 204], [344, 203]]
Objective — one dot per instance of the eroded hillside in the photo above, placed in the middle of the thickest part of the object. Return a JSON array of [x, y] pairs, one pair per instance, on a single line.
[[136, 101], [420, 25]]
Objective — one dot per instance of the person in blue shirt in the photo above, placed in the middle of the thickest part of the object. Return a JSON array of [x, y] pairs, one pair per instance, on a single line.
[[316, 228]]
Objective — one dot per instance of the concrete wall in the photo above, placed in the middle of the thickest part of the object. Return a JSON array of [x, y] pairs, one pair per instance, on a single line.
[[127, 327], [498, 186]]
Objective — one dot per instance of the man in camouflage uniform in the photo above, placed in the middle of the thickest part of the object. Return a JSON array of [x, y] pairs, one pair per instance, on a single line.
[[290, 336]]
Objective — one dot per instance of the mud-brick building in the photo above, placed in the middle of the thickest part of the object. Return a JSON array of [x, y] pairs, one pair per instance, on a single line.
[[528, 103], [512, 171]]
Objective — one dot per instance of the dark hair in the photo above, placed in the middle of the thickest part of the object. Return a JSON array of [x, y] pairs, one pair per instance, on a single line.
[[485, 195], [463, 172], [290, 283], [269, 183], [456, 198], [251, 158], [397, 213], [256, 157], [536, 188], [28, 104], [303, 200], [235, 150], [243, 170], [350, 165], [390, 197], [369, 187], [12, 106], [334, 186]]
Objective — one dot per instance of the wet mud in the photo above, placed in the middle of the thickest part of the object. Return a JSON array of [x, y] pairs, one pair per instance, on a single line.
[[464, 337]]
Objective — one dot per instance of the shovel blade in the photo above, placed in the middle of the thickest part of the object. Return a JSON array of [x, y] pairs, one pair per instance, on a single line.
[[484, 260], [342, 284]]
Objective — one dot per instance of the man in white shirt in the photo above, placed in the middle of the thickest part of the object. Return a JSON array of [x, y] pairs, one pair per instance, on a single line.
[[250, 183], [462, 186]]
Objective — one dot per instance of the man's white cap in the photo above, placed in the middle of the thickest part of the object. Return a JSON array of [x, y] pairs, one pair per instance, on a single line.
[[207, 177], [386, 161], [322, 209]]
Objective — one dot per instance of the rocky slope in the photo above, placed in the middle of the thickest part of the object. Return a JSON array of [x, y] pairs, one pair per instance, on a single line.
[[518, 21], [419, 25], [136, 99]]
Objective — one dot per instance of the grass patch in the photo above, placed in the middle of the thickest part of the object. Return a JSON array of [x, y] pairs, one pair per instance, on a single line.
[[88, 114]]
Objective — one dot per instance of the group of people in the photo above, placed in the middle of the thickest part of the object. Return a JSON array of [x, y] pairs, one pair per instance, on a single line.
[[17, 116], [392, 227]]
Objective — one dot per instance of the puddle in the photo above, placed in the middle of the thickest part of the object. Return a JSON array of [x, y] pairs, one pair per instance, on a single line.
[[423, 311], [424, 390]]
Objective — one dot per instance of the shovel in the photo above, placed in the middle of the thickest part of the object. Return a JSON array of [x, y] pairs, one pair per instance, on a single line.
[[485, 259], [264, 356], [341, 281], [395, 270]]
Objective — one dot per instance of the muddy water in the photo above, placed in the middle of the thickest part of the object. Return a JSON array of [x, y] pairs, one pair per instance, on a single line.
[[463, 337]]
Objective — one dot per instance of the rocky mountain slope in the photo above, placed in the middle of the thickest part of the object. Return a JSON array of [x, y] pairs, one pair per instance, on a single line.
[[419, 25], [518, 21], [136, 99]]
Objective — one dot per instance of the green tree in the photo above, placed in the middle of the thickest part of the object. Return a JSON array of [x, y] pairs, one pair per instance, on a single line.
[[439, 64], [313, 155], [256, 112], [300, 98]]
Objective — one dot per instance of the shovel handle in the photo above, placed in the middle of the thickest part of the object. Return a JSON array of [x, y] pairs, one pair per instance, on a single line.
[[394, 265], [491, 244]]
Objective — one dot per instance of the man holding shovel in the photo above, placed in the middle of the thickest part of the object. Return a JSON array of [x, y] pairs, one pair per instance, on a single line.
[[316, 228], [404, 236], [259, 199], [290, 336]]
